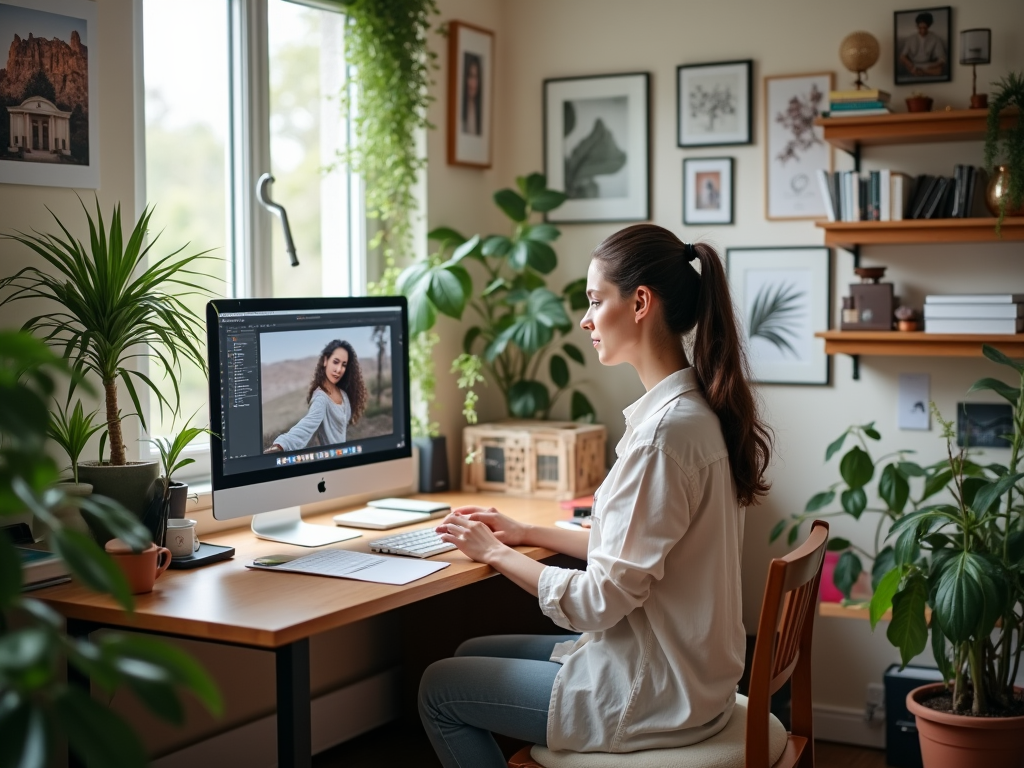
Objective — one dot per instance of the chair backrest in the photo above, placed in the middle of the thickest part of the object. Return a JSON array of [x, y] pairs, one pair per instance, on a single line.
[[783, 647]]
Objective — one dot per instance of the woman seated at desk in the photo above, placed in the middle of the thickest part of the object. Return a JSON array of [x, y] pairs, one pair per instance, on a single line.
[[657, 643]]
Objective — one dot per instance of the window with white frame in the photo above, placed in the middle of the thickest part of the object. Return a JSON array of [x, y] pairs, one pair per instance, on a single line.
[[256, 89]]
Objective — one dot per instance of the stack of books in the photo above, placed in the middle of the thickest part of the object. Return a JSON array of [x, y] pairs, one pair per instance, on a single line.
[[882, 195], [948, 197], [41, 569], [867, 101], [1000, 313]]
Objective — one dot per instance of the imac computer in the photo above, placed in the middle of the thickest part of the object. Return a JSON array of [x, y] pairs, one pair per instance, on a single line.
[[309, 400]]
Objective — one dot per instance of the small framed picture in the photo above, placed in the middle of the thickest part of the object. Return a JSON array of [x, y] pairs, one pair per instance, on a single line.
[[49, 101], [983, 425], [597, 147], [782, 296], [795, 149], [715, 104], [470, 94], [922, 39], [707, 190]]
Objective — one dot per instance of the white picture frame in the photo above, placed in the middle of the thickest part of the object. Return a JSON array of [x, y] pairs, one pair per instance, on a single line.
[[714, 104], [597, 147], [708, 194], [51, 138], [470, 94], [782, 298], [795, 149]]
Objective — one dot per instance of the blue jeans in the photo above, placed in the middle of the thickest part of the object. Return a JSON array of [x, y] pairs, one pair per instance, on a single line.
[[499, 684]]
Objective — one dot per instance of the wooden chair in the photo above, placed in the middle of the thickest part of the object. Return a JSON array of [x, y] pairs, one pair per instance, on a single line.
[[782, 652]]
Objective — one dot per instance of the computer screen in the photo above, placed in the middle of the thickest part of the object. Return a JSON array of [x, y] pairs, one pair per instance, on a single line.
[[309, 400]]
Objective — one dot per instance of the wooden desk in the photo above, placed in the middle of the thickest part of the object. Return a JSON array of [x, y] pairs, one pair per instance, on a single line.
[[229, 603]]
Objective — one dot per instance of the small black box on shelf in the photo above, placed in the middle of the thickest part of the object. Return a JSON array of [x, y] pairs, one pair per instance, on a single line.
[[902, 748]]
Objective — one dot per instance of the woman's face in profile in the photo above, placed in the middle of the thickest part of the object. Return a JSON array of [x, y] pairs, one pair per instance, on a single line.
[[336, 364]]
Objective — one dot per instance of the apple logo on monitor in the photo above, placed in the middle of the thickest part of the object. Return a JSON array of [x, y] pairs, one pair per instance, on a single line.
[[321, 486]]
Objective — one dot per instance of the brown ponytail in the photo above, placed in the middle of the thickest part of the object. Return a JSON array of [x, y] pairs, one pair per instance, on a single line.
[[649, 255]]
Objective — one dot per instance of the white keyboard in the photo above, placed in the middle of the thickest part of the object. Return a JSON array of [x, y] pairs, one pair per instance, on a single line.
[[422, 543]]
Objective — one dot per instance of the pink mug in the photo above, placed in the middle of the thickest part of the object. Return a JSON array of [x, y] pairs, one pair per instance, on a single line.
[[140, 568]]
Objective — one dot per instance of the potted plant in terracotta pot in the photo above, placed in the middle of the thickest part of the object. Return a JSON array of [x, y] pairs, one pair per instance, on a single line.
[[1004, 195], [72, 431], [964, 560], [918, 102], [111, 307]]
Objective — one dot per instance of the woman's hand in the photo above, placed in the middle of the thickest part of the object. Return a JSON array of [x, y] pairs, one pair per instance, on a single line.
[[475, 539], [506, 530], [275, 448]]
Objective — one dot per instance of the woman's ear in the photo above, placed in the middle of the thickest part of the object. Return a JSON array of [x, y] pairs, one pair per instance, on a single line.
[[643, 303]]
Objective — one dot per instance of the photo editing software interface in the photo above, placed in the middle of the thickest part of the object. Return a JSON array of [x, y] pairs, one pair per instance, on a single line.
[[310, 387]]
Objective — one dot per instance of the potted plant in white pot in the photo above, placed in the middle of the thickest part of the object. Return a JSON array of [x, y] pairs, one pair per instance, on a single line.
[[112, 308], [72, 431], [167, 497], [965, 561]]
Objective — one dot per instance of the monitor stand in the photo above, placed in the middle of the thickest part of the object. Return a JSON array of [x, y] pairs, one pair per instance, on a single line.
[[285, 525]]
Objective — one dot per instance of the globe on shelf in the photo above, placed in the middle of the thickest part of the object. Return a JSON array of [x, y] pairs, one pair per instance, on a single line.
[[859, 52]]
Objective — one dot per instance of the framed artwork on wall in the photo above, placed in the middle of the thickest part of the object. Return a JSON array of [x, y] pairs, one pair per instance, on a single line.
[[707, 190], [49, 127], [921, 41], [470, 94], [714, 104], [782, 296], [597, 147], [795, 150]]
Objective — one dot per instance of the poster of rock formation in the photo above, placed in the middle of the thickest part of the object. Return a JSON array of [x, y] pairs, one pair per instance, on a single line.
[[48, 131]]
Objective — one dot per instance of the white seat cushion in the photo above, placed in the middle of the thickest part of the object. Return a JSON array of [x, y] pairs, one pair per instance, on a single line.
[[723, 750]]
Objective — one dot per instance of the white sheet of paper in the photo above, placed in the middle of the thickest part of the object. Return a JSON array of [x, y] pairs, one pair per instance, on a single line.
[[912, 403], [394, 570]]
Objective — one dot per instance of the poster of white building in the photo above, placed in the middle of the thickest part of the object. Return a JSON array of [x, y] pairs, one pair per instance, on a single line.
[[48, 116]]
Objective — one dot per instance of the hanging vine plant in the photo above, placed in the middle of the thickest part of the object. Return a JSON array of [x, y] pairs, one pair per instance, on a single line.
[[390, 68]]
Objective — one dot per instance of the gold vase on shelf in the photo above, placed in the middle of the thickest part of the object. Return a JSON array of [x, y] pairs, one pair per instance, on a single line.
[[998, 188]]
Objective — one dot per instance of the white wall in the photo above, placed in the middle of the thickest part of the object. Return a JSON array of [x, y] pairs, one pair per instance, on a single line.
[[540, 39]]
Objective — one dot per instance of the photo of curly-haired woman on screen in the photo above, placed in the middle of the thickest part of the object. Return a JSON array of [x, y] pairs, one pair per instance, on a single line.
[[336, 399]]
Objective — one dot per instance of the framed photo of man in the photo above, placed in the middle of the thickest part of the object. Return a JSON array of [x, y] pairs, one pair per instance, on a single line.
[[922, 46], [470, 94]]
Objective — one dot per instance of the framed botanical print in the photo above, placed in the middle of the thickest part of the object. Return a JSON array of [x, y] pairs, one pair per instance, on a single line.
[[795, 149], [597, 147], [783, 298], [715, 104], [922, 46], [707, 190], [470, 94]]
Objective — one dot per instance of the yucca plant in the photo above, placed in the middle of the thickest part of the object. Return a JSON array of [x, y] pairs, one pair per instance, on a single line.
[[72, 431], [114, 308]]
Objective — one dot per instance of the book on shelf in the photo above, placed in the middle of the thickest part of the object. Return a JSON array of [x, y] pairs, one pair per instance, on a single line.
[[853, 106], [827, 194], [40, 568], [864, 94], [925, 187], [972, 311], [901, 187], [993, 325], [974, 298], [858, 112]]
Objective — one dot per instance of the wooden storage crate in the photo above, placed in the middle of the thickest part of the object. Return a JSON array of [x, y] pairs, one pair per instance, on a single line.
[[548, 459]]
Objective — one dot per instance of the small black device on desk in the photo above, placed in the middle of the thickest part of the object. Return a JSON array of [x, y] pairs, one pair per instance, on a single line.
[[206, 554]]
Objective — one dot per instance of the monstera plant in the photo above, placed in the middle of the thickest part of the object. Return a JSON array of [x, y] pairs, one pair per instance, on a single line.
[[521, 323]]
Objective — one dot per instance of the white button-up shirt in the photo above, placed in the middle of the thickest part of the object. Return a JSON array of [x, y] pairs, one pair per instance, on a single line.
[[660, 601]]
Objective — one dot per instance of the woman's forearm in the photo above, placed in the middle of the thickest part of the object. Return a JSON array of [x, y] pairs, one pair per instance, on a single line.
[[566, 542], [520, 569]]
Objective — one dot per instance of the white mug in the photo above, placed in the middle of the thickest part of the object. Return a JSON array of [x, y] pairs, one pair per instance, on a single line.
[[181, 537]]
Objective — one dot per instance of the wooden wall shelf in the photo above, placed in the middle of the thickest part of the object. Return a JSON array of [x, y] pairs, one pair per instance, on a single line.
[[849, 133], [846, 234], [918, 343]]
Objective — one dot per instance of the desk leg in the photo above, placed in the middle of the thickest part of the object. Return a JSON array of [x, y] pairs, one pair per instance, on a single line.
[[294, 723], [78, 629]]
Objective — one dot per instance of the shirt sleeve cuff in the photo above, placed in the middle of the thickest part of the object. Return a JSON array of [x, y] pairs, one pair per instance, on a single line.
[[552, 585]]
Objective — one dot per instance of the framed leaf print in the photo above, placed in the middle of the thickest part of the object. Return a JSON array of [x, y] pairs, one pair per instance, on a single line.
[[597, 147], [782, 298]]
